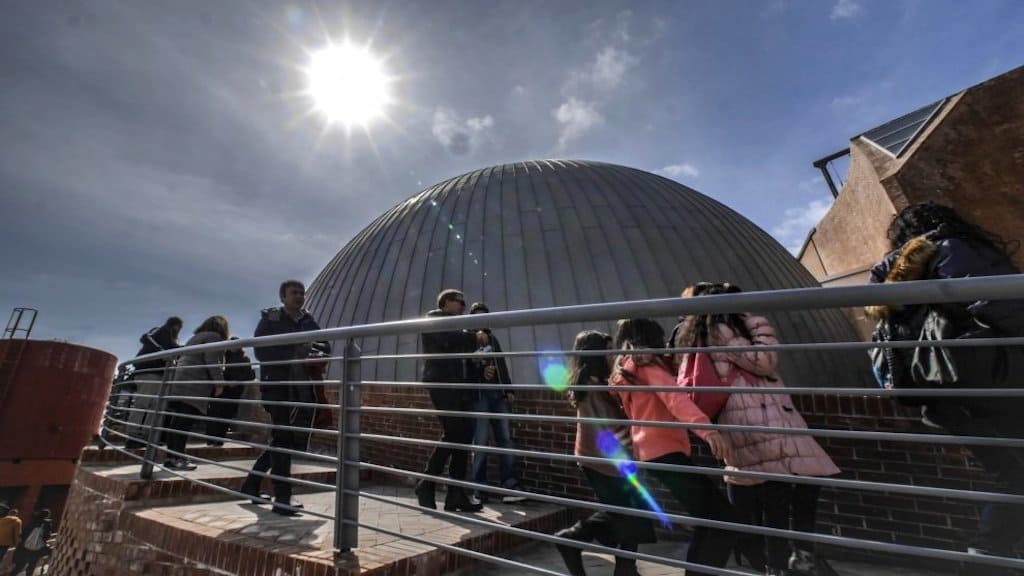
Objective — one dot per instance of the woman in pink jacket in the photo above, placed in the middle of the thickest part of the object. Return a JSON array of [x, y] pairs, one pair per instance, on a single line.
[[664, 445], [769, 503]]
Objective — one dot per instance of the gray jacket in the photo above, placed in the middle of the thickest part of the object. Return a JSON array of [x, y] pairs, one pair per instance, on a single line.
[[190, 369]]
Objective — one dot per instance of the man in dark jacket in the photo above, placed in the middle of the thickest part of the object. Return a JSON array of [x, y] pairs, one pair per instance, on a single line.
[[496, 401], [237, 368], [148, 376], [455, 429], [288, 318]]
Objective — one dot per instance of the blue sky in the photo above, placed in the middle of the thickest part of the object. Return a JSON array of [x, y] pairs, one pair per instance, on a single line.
[[159, 158]]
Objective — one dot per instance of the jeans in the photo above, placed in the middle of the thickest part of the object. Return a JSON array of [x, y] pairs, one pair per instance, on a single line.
[[280, 463], [770, 504], [493, 401], [702, 499], [181, 422]]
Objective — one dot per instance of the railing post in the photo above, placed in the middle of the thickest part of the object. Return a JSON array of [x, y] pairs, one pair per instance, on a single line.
[[151, 434], [346, 504]]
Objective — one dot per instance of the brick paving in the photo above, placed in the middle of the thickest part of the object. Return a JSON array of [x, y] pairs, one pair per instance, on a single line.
[[310, 537], [545, 556]]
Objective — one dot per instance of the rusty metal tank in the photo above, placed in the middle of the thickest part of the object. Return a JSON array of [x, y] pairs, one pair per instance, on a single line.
[[52, 396]]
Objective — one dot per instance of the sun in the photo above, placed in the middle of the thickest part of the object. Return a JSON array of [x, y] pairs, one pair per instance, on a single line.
[[348, 85]]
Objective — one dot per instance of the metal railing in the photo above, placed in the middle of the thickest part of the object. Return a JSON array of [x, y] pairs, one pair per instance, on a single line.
[[349, 433]]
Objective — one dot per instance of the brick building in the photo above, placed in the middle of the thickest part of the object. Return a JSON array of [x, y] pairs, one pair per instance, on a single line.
[[966, 151]]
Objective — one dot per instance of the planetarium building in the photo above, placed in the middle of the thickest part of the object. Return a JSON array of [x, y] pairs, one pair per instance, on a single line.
[[557, 233]]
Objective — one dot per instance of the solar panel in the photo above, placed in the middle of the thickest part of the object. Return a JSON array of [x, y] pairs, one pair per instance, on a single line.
[[896, 135]]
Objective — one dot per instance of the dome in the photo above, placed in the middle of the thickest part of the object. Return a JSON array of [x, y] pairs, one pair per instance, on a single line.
[[557, 233]]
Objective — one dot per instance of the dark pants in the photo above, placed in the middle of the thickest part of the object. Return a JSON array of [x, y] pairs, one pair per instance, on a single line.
[[702, 499], [280, 463], [180, 423], [493, 401], [776, 505], [454, 429], [223, 410], [612, 529], [1000, 525]]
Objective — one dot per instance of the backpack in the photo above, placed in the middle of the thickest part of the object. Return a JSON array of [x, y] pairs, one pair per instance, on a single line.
[[35, 541]]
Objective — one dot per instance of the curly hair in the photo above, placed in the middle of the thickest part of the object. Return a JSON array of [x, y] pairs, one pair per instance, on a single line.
[[918, 219], [695, 328]]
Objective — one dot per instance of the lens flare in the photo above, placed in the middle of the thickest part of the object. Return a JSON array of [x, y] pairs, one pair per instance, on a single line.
[[555, 374], [610, 446]]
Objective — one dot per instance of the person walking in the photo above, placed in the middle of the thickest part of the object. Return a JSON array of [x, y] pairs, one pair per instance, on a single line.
[[34, 543], [611, 441], [775, 504], [237, 368], [931, 241], [148, 377], [276, 388], [494, 401], [455, 429], [197, 376], [709, 546], [10, 532]]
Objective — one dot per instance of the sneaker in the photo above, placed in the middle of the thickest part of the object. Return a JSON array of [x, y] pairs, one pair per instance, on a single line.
[[804, 563], [180, 465], [512, 499], [475, 500]]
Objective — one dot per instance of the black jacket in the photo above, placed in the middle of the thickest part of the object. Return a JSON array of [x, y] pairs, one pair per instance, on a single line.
[[277, 321], [243, 372], [452, 342], [155, 340], [477, 367]]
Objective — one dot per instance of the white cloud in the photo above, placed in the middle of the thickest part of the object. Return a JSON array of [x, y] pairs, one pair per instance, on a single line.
[[576, 117], [460, 136], [844, 103], [845, 9], [610, 67], [682, 169], [797, 222]]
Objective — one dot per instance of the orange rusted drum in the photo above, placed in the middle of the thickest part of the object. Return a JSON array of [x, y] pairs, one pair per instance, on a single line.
[[52, 396]]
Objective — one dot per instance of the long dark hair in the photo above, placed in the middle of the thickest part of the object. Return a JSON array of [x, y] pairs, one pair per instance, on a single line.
[[582, 368], [642, 333], [918, 219], [218, 324], [696, 327]]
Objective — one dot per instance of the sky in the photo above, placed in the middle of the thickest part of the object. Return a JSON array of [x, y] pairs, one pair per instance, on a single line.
[[164, 158]]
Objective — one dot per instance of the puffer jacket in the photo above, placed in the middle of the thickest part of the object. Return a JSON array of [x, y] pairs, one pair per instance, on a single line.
[[759, 451], [650, 442], [199, 366]]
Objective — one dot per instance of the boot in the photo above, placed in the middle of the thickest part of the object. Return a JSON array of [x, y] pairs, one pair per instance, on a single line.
[[457, 501], [425, 494], [572, 556], [625, 567]]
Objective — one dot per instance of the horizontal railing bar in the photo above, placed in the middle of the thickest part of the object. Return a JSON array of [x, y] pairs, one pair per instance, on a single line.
[[210, 485], [224, 465], [820, 432], [249, 423], [1008, 287], [457, 550], [720, 524], [796, 390], [247, 401], [861, 485], [301, 454], [541, 536], [249, 382]]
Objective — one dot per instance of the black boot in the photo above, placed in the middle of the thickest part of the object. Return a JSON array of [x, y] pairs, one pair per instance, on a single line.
[[457, 501], [572, 556], [425, 494], [625, 567]]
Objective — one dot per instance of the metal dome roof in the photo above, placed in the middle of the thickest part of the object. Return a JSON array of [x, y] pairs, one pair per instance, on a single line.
[[555, 233]]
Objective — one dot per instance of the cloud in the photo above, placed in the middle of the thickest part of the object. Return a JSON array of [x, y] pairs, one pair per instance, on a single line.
[[797, 222], [610, 67], [845, 9], [461, 137], [577, 117], [683, 169]]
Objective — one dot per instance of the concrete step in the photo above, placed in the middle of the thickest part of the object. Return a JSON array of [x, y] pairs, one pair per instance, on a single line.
[[96, 455]]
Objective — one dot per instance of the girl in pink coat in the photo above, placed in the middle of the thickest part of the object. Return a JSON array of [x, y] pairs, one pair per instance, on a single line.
[[770, 503]]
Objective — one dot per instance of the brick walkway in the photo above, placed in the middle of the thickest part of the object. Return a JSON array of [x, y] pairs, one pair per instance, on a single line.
[[545, 556], [310, 538]]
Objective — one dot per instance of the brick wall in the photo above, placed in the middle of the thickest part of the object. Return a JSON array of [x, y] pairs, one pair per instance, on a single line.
[[884, 517]]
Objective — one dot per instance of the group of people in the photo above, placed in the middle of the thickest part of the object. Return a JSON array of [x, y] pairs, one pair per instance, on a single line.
[[928, 241], [31, 542], [199, 389]]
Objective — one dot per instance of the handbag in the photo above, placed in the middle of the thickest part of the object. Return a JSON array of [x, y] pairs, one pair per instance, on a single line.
[[699, 371]]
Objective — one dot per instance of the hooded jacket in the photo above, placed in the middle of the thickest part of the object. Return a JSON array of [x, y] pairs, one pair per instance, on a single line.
[[762, 451], [277, 321], [155, 340]]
